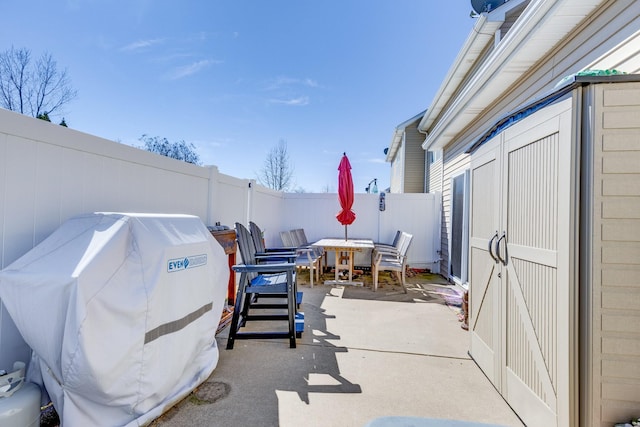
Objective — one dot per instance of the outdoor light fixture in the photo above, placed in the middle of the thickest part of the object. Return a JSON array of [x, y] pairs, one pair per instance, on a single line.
[[373, 190]]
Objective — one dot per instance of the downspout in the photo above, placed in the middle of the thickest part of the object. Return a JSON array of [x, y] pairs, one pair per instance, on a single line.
[[438, 234], [425, 186]]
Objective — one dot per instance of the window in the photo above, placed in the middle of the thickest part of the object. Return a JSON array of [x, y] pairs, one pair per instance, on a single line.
[[433, 156]]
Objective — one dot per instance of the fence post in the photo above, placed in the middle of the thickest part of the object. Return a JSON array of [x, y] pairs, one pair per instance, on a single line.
[[250, 199], [212, 194]]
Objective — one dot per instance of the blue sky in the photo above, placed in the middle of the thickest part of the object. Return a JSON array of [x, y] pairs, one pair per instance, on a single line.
[[235, 77]]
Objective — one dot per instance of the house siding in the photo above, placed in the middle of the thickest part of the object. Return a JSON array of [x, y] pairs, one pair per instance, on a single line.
[[616, 25], [604, 386], [622, 58], [435, 176], [618, 21], [397, 170], [414, 169]]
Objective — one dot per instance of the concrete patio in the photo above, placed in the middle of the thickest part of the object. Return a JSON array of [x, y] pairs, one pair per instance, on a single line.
[[363, 355]]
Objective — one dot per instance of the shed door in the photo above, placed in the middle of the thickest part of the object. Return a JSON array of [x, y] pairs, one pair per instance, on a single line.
[[528, 288], [484, 271]]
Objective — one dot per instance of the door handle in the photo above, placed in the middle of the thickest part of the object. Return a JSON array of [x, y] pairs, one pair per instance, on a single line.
[[506, 255], [495, 236]]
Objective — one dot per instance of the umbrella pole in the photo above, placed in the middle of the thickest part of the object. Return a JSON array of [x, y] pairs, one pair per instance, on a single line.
[[345, 233]]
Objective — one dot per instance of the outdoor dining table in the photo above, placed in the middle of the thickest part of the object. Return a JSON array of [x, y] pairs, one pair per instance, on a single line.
[[348, 246]]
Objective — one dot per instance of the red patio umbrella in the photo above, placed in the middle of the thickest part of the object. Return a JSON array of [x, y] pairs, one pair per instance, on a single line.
[[345, 193]]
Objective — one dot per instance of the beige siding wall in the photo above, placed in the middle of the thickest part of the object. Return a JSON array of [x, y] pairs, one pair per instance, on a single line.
[[414, 161], [615, 272]]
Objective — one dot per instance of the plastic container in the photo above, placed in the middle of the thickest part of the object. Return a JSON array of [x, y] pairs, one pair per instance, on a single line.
[[22, 408], [12, 381], [299, 321]]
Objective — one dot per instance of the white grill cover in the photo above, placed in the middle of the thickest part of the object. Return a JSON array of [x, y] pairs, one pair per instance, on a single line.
[[121, 312]]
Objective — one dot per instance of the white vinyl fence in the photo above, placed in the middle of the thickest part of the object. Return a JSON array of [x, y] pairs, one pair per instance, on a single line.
[[49, 173]]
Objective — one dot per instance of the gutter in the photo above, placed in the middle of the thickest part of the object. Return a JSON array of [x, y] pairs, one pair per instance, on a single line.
[[397, 136], [480, 37], [541, 26]]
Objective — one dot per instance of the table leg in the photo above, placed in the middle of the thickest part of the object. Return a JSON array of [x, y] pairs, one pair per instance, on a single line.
[[339, 266]]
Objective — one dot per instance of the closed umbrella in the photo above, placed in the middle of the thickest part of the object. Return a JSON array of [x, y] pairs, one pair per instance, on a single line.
[[345, 193]]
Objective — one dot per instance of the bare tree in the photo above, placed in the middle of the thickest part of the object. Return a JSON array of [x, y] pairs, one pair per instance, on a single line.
[[178, 150], [36, 89], [277, 172], [327, 189]]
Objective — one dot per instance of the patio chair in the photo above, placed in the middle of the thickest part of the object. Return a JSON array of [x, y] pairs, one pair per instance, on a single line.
[[308, 256], [263, 279], [287, 239], [393, 244], [296, 239], [389, 247], [301, 237], [246, 245], [391, 259], [303, 256], [269, 253]]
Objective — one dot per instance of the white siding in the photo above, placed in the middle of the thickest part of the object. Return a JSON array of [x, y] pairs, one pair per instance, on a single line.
[[623, 57], [397, 171], [435, 176]]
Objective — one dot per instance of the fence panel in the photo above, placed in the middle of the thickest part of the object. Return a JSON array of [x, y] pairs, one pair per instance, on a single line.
[[229, 199], [414, 213], [266, 210], [49, 173]]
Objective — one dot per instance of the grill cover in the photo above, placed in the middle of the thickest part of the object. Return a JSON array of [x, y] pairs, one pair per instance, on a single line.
[[121, 312]]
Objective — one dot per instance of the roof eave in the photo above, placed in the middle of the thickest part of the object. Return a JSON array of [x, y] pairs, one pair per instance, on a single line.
[[397, 136], [541, 26], [480, 36]]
